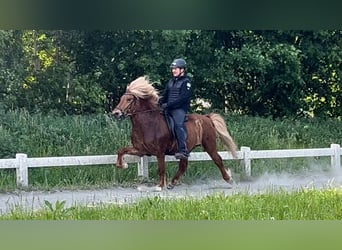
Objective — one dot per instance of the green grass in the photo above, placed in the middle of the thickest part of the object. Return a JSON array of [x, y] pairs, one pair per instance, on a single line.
[[279, 205], [51, 135], [264, 133]]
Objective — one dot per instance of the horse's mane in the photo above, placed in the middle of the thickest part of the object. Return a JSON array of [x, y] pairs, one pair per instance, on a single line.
[[142, 88]]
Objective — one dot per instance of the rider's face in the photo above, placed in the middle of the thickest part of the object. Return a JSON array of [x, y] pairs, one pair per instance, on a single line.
[[176, 72]]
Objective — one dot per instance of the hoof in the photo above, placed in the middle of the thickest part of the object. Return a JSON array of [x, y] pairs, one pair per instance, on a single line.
[[125, 165], [229, 173], [231, 181], [170, 186]]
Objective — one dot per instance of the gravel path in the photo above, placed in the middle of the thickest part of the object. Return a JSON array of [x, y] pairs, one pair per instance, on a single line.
[[35, 199]]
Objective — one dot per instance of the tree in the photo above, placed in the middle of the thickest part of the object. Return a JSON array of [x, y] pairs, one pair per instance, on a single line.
[[268, 73], [12, 68]]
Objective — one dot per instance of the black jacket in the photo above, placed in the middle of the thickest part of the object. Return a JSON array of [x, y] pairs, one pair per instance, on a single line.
[[177, 93]]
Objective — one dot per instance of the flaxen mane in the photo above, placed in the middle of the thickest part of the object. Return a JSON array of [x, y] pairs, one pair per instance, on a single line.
[[142, 88]]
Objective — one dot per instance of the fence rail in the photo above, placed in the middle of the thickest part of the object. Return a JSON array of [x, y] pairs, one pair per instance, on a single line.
[[22, 163]]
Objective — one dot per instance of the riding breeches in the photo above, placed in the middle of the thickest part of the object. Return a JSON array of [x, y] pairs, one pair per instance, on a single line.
[[178, 116]]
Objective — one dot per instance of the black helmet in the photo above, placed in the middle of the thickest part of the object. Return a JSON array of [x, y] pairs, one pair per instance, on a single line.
[[178, 63]]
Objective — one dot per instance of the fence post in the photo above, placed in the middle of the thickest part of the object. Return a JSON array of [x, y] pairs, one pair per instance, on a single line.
[[336, 157], [22, 170], [143, 167], [246, 152]]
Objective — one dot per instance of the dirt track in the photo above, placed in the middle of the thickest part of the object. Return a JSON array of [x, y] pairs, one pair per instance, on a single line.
[[35, 199]]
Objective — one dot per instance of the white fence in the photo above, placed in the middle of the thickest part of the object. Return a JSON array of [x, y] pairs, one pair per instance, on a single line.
[[22, 163]]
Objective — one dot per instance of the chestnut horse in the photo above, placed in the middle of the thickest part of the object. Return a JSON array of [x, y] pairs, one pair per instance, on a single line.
[[151, 135]]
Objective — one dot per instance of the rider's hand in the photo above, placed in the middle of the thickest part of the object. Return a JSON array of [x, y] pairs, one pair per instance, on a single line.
[[164, 106]]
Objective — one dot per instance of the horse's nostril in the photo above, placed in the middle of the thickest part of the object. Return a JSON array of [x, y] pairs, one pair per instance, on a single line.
[[116, 113]]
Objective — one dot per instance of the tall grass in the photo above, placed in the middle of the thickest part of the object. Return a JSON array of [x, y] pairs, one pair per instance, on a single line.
[[51, 135], [264, 133]]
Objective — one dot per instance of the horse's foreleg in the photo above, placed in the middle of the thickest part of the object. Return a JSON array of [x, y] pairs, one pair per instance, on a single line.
[[183, 164], [161, 171], [123, 151]]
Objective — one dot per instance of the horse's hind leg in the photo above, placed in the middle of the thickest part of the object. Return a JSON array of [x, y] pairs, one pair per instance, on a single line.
[[183, 164], [226, 174]]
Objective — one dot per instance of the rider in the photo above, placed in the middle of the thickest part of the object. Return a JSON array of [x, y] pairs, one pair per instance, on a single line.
[[176, 101]]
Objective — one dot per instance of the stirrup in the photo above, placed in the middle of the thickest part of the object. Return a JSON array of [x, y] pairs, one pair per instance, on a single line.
[[181, 156]]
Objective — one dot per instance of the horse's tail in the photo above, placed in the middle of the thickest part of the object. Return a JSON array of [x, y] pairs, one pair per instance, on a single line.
[[223, 133]]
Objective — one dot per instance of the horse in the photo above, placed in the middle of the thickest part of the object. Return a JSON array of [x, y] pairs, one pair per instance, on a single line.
[[151, 135]]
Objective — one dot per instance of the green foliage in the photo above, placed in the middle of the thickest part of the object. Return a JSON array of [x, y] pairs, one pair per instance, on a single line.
[[272, 205], [53, 135], [266, 73], [57, 212]]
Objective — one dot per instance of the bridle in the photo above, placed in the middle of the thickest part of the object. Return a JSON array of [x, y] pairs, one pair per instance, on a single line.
[[128, 112], [129, 106]]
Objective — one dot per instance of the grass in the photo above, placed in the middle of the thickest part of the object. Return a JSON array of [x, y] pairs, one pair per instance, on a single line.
[[280, 205], [265, 133], [51, 135]]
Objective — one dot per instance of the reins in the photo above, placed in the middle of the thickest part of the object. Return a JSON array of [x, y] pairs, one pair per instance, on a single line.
[[144, 111], [136, 112]]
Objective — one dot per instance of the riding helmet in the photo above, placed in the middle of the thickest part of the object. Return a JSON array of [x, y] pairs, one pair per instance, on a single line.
[[178, 63]]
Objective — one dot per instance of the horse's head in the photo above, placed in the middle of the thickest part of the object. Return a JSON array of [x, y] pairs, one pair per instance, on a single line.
[[125, 106], [140, 96]]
